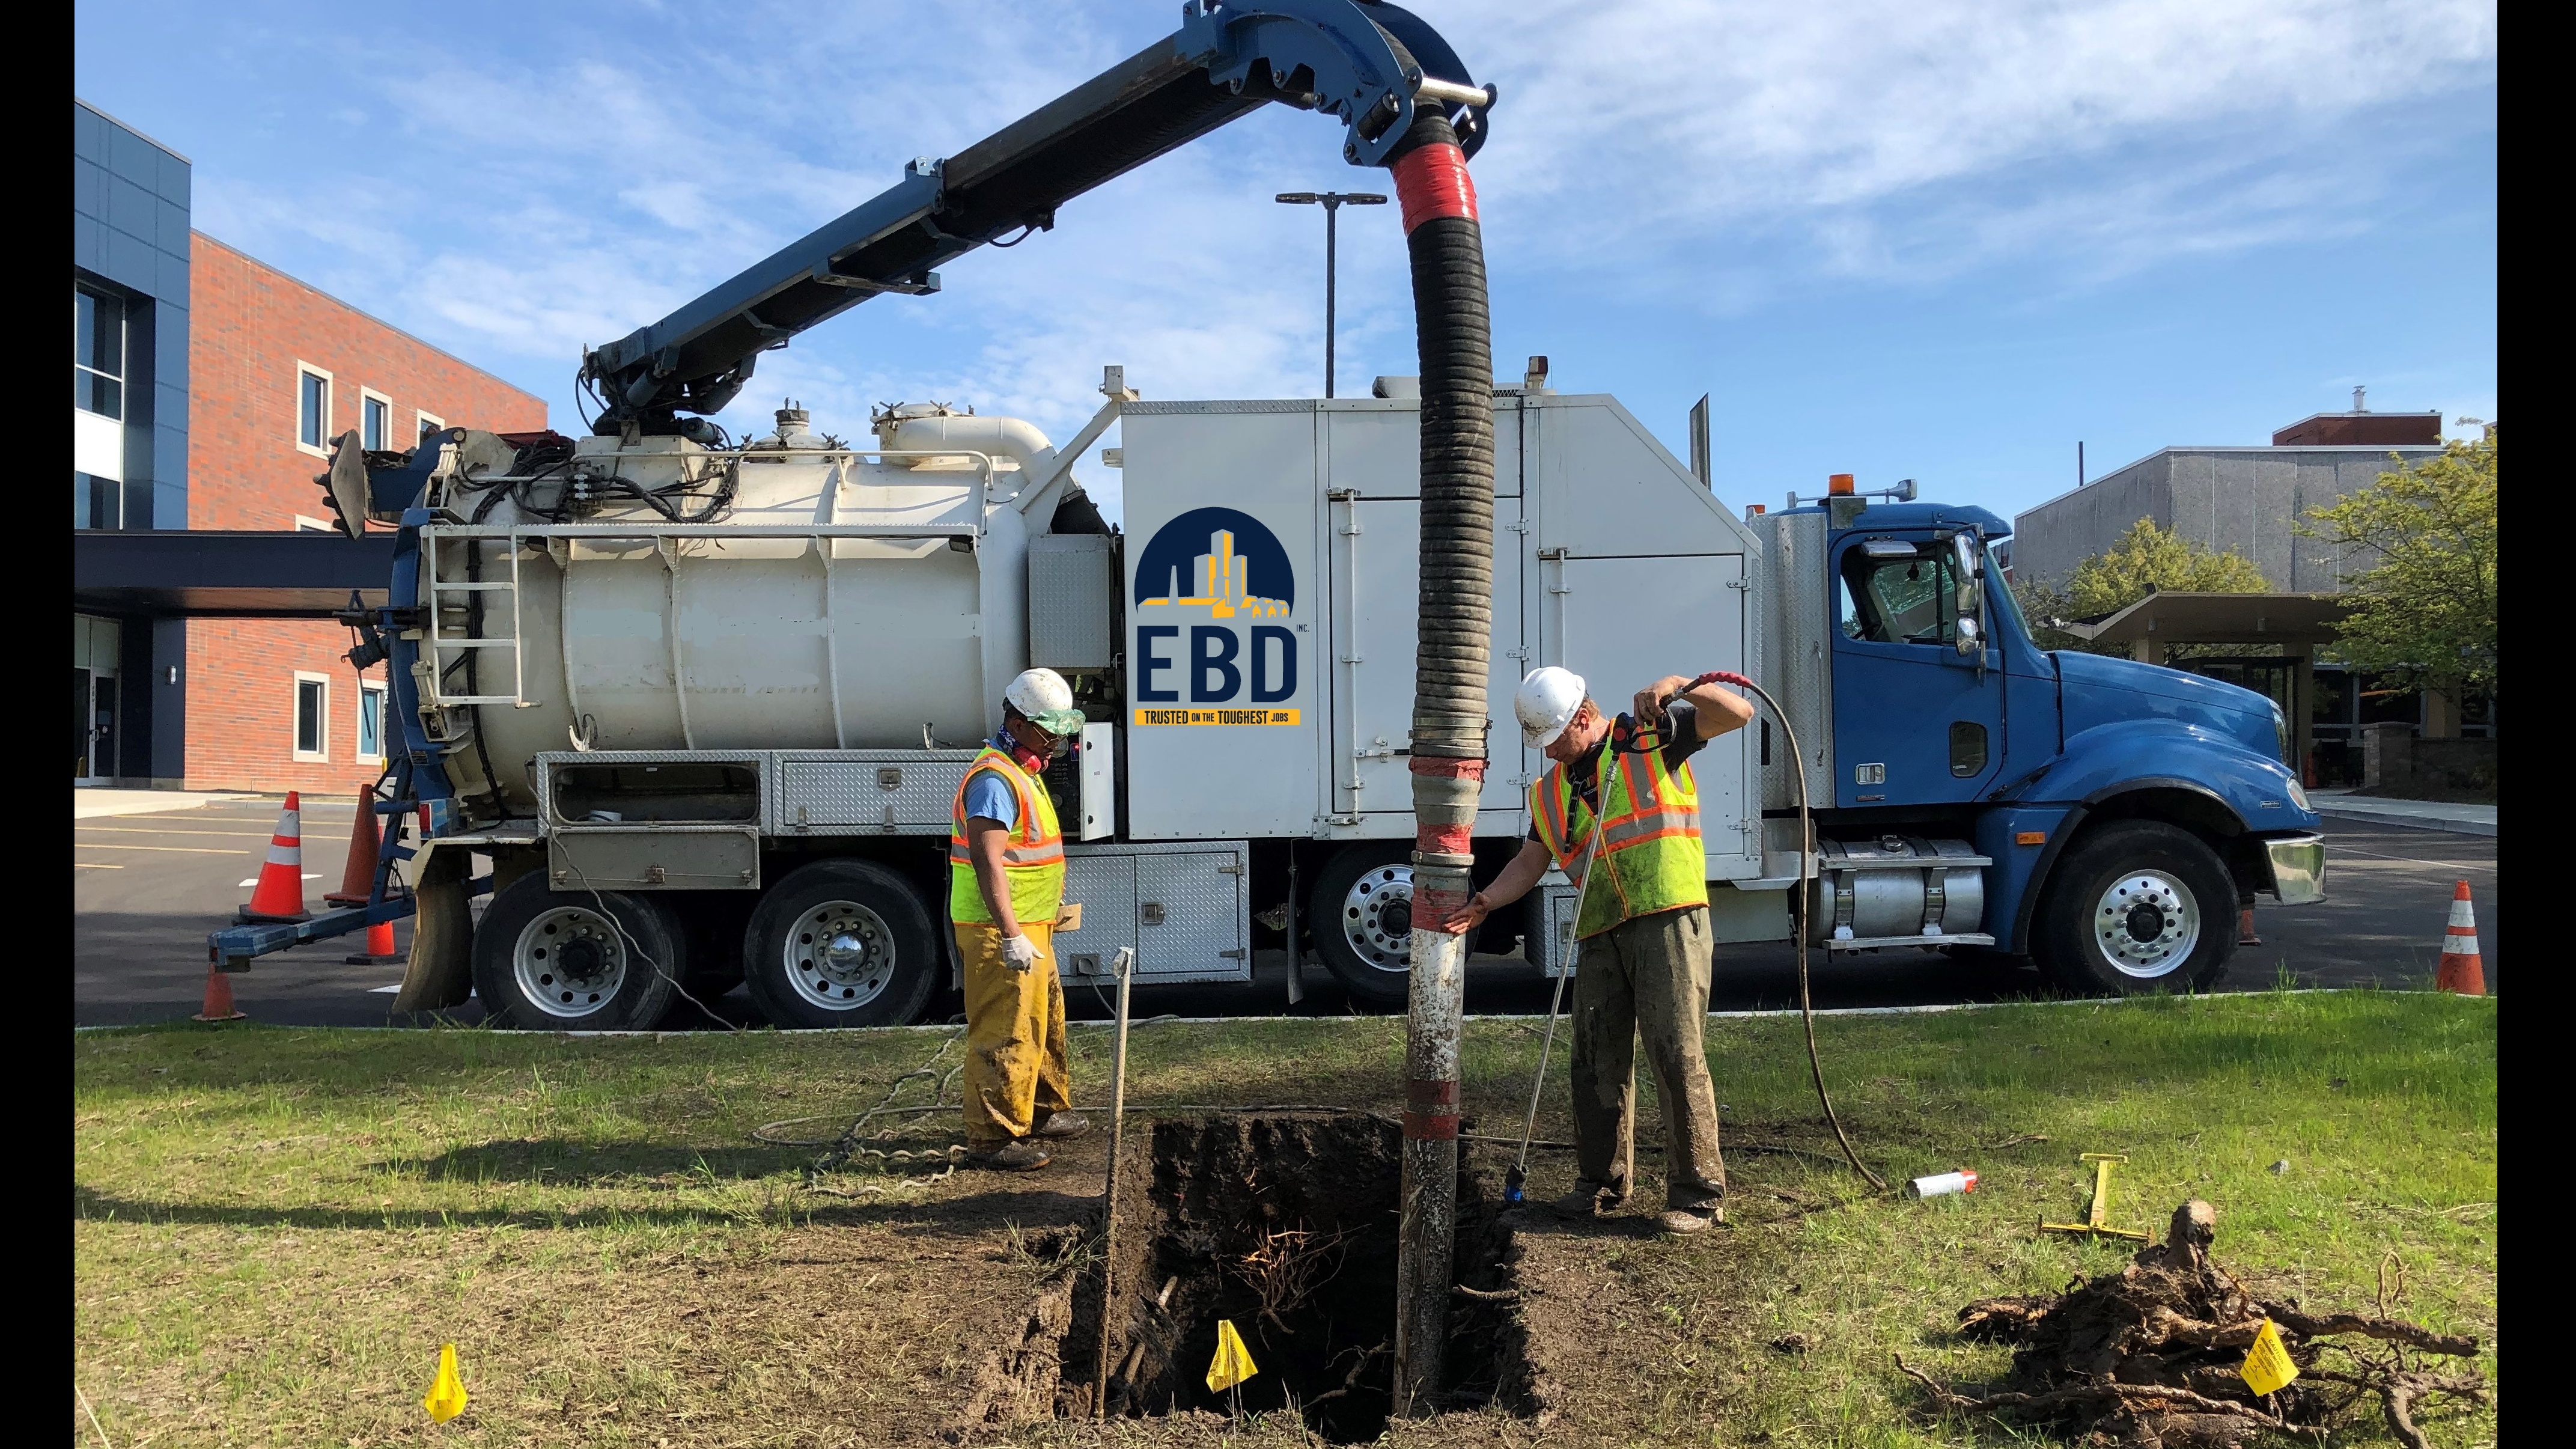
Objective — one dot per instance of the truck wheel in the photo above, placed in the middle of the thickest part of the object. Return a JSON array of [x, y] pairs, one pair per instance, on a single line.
[[547, 960], [2137, 906], [841, 943], [1362, 918]]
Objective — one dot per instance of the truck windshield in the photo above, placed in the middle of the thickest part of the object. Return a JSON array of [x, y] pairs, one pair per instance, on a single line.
[[1897, 600]]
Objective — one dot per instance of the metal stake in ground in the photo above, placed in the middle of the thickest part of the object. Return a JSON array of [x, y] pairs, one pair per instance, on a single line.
[[1454, 640], [1125, 964]]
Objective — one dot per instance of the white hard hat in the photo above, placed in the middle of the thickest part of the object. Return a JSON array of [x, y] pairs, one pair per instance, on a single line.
[[1045, 700], [1547, 702]]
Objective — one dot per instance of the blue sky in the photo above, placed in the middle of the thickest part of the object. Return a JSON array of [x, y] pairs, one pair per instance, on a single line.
[[1925, 238]]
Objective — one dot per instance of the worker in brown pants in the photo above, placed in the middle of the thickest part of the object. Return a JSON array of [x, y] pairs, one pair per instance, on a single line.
[[1642, 922]]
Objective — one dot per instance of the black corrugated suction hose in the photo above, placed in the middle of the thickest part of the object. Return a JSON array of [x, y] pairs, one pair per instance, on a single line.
[[1454, 331]]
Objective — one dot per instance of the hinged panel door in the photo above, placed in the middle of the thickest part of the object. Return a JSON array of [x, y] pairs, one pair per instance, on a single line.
[[1376, 569], [1623, 623], [1105, 887], [1191, 918]]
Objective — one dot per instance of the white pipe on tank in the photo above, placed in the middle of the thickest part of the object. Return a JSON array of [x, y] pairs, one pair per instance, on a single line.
[[1011, 438]]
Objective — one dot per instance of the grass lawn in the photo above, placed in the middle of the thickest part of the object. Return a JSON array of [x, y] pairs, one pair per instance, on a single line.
[[274, 1230]]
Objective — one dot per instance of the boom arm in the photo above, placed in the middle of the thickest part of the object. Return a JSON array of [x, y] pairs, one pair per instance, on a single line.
[[1367, 64]]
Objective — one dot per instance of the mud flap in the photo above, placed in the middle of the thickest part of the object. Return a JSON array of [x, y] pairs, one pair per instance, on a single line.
[[441, 972]]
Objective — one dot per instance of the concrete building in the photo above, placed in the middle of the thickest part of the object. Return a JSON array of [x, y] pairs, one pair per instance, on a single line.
[[2247, 499], [2230, 497], [208, 388], [129, 421]]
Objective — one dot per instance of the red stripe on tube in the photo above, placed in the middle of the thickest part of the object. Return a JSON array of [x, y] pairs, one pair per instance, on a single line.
[[1432, 181]]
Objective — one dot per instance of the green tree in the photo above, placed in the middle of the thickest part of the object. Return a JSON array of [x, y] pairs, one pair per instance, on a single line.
[[2145, 560], [2424, 612]]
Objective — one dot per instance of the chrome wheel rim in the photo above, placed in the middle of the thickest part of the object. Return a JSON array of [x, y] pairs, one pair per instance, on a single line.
[[570, 962], [2146, 924], [1377, 918], [839, 956]]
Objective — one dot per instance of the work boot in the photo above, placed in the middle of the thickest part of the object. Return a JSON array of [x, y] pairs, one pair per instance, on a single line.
[[1064, 1125], [1682, 1222], [1023, 1155], [1584, 1202]]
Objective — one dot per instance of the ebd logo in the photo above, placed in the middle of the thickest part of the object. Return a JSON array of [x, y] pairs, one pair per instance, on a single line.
[[1208, 581]]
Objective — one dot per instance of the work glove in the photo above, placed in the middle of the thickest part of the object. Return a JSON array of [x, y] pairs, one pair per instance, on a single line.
[[1020, 951]]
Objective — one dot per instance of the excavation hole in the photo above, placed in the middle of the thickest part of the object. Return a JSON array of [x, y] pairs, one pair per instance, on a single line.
[[1286, 1226]]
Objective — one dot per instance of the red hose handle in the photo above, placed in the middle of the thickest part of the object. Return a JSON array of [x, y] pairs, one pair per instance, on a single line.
[[1720, 676]]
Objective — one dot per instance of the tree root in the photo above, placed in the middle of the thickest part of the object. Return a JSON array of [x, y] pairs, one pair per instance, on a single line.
[[2151, 1355]]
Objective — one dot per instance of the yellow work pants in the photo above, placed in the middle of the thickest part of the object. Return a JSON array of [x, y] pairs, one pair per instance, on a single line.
[[1016, 1077]]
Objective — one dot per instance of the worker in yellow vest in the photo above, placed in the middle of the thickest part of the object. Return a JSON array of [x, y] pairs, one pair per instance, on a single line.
[[1005, 896], [1642, 921]]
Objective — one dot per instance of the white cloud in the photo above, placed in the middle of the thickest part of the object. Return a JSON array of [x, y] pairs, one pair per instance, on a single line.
[[1719, 152]]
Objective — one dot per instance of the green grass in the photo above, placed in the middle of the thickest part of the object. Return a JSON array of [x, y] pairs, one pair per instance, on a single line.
[[273, 1230]]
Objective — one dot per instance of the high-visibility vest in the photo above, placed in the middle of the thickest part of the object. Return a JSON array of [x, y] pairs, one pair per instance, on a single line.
[[1032, 858], [1650, 858]]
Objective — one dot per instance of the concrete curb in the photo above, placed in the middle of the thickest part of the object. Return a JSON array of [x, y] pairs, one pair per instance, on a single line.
[[2412, 814]]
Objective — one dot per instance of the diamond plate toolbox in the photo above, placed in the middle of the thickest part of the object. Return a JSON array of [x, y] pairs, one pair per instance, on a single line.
[[866, 792], [1182, 906]]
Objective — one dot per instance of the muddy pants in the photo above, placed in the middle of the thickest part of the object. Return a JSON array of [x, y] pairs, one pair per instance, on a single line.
[[1016, 1076], [1646, 976]]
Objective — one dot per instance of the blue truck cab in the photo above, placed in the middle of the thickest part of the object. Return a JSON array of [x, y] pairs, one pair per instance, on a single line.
[[2106, 818]]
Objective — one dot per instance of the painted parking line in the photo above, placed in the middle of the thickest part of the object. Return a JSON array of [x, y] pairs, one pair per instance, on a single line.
[[166, 849], [94, 865], [254, 880], [2410, 860], [384, 990], [141, 830]]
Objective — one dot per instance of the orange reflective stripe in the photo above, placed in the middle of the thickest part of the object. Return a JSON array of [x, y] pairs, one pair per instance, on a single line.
[[1033, 846]]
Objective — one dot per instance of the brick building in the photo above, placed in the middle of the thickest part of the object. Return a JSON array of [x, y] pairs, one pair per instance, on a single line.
[[277, 370]]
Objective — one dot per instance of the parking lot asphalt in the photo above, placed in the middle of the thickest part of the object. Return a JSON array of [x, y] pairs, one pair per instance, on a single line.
[[147, 888]]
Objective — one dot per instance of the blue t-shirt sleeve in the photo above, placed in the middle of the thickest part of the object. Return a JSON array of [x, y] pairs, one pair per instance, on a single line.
[[989, 796]]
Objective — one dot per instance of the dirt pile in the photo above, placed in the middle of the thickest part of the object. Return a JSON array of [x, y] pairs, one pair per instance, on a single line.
[[1285, 1226], [2150, 1356]]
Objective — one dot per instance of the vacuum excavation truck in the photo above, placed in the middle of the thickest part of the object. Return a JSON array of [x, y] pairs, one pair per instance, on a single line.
[[695, 710]]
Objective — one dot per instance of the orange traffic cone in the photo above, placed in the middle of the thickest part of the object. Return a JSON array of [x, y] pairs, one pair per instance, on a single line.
[[219, 998], [2245, 928], [2461, 970], [358, 877], [380, 947], [280, 893]]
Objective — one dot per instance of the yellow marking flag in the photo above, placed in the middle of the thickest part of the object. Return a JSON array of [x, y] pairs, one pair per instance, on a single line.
[[1233, 1362], [2267, 1365], [447, 1395]]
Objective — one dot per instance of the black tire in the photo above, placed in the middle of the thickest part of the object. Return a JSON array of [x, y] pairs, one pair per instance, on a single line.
[[1361, 916], [890, 962], [2136, 906], [547, 960]]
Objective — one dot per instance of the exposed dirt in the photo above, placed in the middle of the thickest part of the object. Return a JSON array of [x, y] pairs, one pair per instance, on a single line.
[[1286, 1227]]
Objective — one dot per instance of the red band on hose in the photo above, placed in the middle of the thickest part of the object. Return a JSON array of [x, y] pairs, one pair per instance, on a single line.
[[1432, 181], [1444, 840], [1443, 767]]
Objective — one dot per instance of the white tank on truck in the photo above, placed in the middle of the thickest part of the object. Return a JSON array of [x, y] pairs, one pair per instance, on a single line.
[[801, 592]]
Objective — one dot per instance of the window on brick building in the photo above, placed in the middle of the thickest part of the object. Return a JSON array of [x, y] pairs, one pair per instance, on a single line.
[[430, 424], [312, 408], [371, 723], [375, 421], [98, 352], [312, 711]]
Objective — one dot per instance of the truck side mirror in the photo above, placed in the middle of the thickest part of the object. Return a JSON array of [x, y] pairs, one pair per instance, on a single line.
[[1968, 567]]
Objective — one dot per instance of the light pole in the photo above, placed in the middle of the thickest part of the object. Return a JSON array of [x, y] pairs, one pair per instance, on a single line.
[[1332, 202]]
